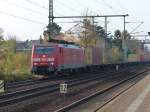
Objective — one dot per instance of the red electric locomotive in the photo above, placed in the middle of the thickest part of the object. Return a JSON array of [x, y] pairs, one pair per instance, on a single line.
[[56, 58]]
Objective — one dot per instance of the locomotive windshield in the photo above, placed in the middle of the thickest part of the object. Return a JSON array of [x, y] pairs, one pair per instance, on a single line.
[[43, 50]]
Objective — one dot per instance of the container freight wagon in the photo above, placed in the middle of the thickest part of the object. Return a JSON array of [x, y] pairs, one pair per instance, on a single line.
[[56, 58], [134, 58], [71, 57], [145, 56], [93, 56], [97, 57]]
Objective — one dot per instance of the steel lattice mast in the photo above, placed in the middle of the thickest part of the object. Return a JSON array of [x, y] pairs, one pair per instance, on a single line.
[[50, 26]]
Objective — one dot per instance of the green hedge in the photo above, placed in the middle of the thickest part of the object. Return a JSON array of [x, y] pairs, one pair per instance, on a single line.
[[13, 66]]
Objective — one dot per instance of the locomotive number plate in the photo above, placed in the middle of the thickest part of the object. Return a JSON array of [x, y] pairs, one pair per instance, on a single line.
[[43, 59]]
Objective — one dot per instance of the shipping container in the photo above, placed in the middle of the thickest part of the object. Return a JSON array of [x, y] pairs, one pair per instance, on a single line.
[[146, 56], [134, 57], [93, 56], [97, 56], [88, 56]]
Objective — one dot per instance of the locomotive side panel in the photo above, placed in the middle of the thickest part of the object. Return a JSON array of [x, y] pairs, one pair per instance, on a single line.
[[56, 57]]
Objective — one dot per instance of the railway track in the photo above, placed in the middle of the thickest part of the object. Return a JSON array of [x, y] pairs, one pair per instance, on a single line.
[[11, 86], [32, 82], [19, 96], [27, 82], [22, 85], [75, 104]]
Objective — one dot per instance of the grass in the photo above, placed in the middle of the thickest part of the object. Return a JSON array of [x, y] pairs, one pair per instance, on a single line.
[[14, 66]]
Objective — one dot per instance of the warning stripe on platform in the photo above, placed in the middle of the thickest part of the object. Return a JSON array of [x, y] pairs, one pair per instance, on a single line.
[[1, 86]]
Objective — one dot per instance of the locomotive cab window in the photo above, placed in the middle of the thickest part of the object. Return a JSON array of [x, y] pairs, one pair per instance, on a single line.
[[44, 50]]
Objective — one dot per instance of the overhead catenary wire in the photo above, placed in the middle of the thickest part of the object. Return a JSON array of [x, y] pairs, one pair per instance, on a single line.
[[22, 18], [125, 10], [88, 8], [36, 4], [69, 7], [40, 6], [109, 6], [121, 6], [113, 9], [28, 9], [64, 5], [136, 27], [80, 4]]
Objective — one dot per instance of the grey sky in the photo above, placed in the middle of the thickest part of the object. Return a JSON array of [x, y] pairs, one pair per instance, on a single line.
[[137, 9]]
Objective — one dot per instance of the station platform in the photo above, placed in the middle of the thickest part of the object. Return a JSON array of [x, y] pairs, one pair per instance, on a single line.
[[136, 99]]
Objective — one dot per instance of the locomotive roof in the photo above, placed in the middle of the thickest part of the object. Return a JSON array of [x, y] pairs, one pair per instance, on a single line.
[[69, 46], [60, 45]]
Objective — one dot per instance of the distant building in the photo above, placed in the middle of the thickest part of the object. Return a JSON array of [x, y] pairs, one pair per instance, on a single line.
[[21, 45], [26, 45]]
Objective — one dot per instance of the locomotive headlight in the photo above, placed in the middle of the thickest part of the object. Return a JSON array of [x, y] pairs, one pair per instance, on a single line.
[[35, 63], [52, 63], [36, 59]]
